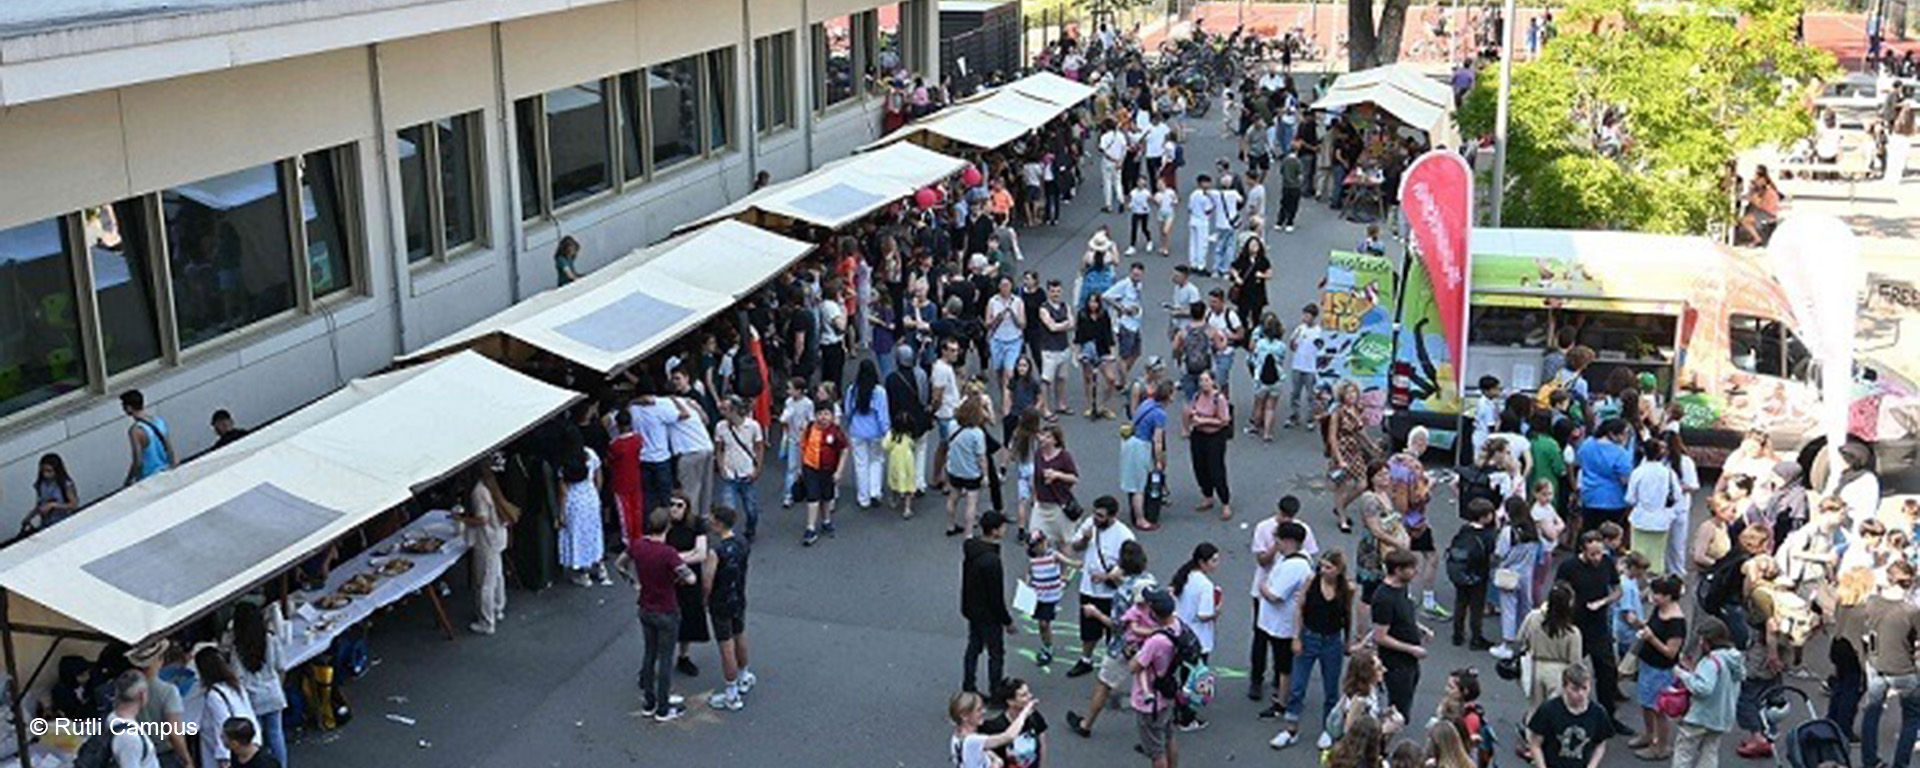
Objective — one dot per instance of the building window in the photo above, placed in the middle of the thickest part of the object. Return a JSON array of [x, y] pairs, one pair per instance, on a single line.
[[773, 82], [673, 101], [1767, 347], [119, 242], [526, 125], [633, 125], [229, 253], [440, 185], [326, 203], [40, 342], [578, 152], [717, 89], [890, 46], [836, 55]]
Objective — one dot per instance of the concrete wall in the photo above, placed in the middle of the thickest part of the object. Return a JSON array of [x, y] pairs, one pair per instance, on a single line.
[[99, 146]]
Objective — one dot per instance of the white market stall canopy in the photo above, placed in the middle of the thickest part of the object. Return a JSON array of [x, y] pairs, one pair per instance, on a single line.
[[177, 544], [843, 191], [995, 118], [1414, 99], [624, 311]]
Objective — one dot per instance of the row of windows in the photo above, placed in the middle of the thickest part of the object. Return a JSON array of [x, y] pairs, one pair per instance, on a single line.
[[582, 140], [117, 286], [857, 53]]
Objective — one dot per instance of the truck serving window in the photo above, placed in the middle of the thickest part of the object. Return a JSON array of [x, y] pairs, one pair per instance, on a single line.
[[1767, 347]]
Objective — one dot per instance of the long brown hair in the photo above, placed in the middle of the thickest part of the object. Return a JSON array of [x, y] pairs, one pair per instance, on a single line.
[[1361, 670], [1360, 747], [1342, 588]]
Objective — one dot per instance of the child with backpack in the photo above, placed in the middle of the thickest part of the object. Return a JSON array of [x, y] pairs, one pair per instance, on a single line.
[[1469, 567], [1163, 669]]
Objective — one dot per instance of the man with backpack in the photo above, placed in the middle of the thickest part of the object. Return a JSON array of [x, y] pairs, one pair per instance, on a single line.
[[908, 408], [1194, 347], [1470, 568], [1158, 668], [121, 746]]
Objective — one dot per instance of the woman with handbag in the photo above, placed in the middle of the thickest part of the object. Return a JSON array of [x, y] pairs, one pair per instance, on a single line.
[[1515, 552], [1054, 475], [1703, 697], [1657, 647]]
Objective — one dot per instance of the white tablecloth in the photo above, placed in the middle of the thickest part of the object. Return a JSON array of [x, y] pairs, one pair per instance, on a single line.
[[304, 642]]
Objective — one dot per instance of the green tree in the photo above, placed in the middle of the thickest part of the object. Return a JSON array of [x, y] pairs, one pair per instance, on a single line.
[[1632, 115]]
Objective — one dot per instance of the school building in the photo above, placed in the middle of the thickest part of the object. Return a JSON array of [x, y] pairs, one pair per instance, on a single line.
[[244, 204]]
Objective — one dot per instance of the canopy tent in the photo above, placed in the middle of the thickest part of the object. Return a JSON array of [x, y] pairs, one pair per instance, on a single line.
[[1401, 91], [841, 192], [168, 549], [621, 313], [1402, 76], [994, 118]]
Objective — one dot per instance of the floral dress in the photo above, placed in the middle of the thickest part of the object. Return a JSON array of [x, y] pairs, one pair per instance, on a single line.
[[1370, 553], [1349, 450], [580, 542]]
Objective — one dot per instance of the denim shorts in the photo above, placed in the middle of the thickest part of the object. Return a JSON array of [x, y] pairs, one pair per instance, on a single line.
[[1005, 353], [1129, 342]]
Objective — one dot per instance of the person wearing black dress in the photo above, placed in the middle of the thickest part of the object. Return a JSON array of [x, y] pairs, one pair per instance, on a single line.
[[687, 534]]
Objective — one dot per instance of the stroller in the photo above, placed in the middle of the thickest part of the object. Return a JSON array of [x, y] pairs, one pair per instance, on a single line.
[[1814, 742]]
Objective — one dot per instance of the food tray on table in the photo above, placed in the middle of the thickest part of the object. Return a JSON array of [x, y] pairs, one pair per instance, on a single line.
[[391, 569]]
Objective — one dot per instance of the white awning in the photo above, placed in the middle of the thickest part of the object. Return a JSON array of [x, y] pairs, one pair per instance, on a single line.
[[624, 311], [1047, 86], [995, 118], [1401, 76], [841, 192], [155, 555], [1436, 120]]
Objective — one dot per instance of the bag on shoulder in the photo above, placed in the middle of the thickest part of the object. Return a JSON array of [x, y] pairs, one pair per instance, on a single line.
[[97, 751], [1188, 680], [1721, 583], [1196, 351], [1269, 374], [748, 379], [1467, 559]]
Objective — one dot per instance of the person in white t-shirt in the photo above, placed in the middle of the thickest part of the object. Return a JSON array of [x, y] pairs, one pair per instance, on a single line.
[[1155, 144], [1304, 343], [1165, 201], [130, 749], [969, 748], [1280, 605], [1113, 152], [1197, 603], [945, 399], [1139, 216], [1097, 542], [1200, 205]]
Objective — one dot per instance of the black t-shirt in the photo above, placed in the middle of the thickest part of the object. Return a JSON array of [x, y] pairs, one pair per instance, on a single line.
[[1569, 739], [1050, 340], [1393, 608], [1099, 330], [1325, 615], [1663, 630], [730, 573], [261, 759], [1590, 583], [1024, 750]]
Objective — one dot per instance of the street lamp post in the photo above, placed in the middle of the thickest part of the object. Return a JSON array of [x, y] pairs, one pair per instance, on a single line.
[[1508, 19]]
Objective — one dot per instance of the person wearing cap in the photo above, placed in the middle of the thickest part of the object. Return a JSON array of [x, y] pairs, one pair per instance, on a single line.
[[983, 602], [162, 704], [1152, 712]]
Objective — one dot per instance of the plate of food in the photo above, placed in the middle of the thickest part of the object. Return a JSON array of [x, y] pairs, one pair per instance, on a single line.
[[333, 602], [425, 545], [360, 584], [395, 567]]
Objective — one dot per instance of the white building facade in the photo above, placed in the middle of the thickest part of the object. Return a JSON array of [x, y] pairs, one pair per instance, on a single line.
[[243, 206]]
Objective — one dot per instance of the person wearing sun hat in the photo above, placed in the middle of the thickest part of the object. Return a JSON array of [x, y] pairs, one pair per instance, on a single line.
[[164, 704]]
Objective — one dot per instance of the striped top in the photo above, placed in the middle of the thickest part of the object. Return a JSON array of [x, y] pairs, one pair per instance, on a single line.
[[1044, 572]]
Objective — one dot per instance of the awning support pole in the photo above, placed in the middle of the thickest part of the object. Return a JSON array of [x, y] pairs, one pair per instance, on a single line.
[[14, 693]]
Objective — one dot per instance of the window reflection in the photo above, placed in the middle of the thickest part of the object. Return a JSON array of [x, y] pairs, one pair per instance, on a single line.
[[117, 238], [673, 97], [834, 41], [228, 251], [40, 356], [324, 209], [577, 141], [459, 149], [414, 194]]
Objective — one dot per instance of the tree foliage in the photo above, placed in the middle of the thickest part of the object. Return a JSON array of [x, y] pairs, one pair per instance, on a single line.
[[1632, 114]]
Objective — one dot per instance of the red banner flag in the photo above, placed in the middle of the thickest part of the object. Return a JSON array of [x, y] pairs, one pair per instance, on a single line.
[[1437, 195]]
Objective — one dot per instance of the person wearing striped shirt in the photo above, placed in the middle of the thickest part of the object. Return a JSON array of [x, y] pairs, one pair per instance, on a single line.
[[1044, 574]]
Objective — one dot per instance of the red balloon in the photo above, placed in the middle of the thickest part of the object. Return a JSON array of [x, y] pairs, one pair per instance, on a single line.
[[926, 198], [970, 176]]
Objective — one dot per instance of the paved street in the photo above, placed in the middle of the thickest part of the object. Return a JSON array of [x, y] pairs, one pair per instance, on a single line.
[[857, 642]]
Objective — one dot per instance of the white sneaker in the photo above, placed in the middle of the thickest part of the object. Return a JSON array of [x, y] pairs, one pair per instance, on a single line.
[[1501, 652], [1284, 739], [1325, 742], [745, 683], [1129, 250], [1289, 227], [479, 628], [721, 700]]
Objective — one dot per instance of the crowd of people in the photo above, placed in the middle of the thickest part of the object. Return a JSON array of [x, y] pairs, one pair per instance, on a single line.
[[917, 351]]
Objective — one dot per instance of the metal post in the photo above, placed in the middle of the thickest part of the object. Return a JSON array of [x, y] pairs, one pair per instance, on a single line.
[[15, 688], [1499, 190]]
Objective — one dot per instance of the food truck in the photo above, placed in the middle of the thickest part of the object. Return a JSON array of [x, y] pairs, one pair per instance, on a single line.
[[1710, 322]]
